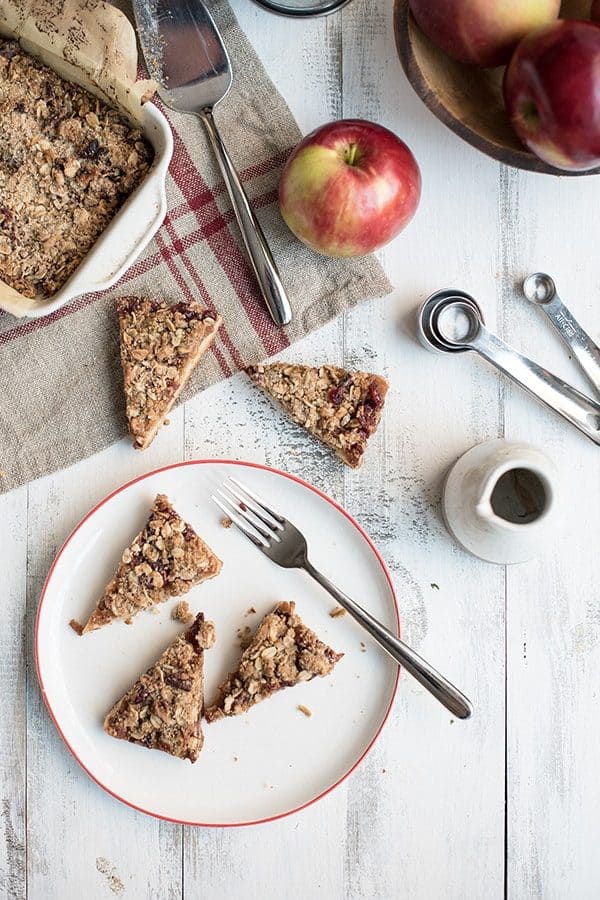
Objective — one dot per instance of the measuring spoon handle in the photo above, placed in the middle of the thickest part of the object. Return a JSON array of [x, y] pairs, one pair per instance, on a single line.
[[570, 403], [585, 350]]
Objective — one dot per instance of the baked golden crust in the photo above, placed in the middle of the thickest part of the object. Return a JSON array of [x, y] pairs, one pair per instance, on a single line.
[[166, 559], [161, 344], [341, 408], [163, 709], [282, 653], [68, 162]]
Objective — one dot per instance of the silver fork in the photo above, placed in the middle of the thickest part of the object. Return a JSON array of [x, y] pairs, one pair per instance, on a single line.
[[285, 545]]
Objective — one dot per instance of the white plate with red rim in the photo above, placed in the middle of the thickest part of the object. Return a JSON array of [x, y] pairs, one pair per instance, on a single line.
[[256, 767]]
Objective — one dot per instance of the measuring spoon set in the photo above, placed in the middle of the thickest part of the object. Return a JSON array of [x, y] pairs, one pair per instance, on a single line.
[[451, 321]]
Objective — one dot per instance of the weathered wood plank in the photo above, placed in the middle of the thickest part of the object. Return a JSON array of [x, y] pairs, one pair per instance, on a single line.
[[303, 852], [13, 755], [80, 840], [553, 626], [434, 788]]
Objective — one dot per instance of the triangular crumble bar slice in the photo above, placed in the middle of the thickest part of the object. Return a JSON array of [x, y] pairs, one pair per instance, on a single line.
[[166, 559], [340, 407], [282, 653], [161, 344], [163, 709]]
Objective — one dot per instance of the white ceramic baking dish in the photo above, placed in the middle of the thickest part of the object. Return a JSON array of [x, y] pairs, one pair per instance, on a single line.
[[124, 238]]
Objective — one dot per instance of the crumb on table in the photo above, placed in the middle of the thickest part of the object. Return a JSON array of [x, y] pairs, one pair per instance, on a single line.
[[337, 611], [181, 613], [304, 709]]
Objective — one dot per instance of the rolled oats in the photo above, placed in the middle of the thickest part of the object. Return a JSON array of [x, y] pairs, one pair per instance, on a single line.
[[341, 408], [150, 572], [66, 167], [282, 653], [163, 709], [160, 346], [182, 613]]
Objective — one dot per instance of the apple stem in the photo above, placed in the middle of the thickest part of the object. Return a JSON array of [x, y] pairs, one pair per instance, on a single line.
[[352, 155]]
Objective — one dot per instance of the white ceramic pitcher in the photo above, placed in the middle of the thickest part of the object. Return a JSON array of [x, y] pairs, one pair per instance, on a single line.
[[499, 499]]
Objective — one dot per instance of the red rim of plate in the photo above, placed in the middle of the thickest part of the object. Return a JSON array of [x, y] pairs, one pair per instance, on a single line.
[[250, 465]]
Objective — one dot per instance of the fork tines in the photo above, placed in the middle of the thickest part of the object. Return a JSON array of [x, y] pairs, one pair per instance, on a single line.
[[249, 512]]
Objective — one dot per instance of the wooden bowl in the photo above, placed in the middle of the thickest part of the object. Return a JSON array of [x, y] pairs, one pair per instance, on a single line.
[[466, 98]]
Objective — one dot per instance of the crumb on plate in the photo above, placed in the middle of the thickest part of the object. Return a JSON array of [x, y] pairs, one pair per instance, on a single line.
[[337, 611], [76, 626], [304, 709], [181, 613], [226, 522], [244, 636]]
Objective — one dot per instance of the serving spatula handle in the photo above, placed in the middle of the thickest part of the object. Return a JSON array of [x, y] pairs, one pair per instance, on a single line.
[[255, 242]]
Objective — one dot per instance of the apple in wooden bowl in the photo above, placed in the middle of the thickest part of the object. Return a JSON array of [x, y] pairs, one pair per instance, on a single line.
[[467, 98]]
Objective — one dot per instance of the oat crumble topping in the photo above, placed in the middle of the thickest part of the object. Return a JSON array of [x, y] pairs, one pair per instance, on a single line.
[[182, 613], [163, 709], [166, 559], [341, 408], [68, 162], [282, 653], [161, 343]]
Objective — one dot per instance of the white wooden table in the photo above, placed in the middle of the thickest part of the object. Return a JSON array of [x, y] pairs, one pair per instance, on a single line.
[[440, 808]]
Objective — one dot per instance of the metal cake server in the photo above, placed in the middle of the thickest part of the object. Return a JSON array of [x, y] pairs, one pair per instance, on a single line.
[[186, 56], [540, 289]]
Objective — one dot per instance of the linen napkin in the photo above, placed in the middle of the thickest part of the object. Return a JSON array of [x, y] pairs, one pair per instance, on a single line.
[[61, 383]]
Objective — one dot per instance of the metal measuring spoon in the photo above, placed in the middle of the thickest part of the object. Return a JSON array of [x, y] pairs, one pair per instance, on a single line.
[[429, 312], [540, 289], [437, 318]]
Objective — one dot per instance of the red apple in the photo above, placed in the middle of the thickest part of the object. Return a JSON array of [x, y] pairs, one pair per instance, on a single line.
[[481, 32], [349, 187], [552, 93]]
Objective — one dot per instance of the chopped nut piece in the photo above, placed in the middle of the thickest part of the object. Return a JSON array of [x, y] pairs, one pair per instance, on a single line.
[[163, 709], [337, 611], [341, 408], [65, 171], [226, 522], [304, 709], [282, 653], [140, 583], [182, 613], [160, 346]]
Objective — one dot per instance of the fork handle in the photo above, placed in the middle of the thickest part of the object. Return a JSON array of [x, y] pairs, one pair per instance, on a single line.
[[255, 242], [436, 684]]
